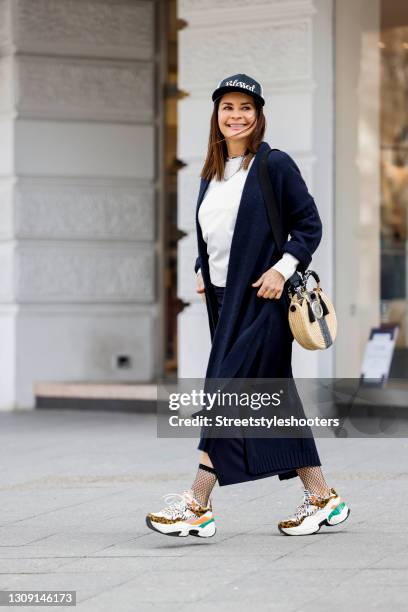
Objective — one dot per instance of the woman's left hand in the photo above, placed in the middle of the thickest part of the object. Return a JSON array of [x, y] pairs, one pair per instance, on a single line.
[[272, 283]]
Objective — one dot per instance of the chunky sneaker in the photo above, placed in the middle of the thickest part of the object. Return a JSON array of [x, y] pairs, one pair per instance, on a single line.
[[314, 512], [183, 517]]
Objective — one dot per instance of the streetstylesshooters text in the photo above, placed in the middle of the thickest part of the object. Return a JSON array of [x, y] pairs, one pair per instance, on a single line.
[[222, 421]]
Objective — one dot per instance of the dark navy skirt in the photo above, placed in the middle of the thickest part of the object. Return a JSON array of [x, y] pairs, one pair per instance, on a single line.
[[228, 455]]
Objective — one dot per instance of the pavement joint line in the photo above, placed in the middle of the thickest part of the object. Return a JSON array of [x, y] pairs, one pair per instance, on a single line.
[[381, 569], [32, 542], [59, 509], [73, 573], [286, 554], [144, 571], [86, 557], [368, 476], [370, 566], [80, 601], [124, 541], [236, 535], [356, 573], [95, 551], [226, 585], [332, 588], [96, 595]]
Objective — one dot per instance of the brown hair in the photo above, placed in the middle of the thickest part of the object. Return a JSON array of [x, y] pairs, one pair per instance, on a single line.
[[217, 149]]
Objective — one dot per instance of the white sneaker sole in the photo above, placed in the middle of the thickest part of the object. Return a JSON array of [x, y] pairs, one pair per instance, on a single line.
[[336, 514], [182, 530]]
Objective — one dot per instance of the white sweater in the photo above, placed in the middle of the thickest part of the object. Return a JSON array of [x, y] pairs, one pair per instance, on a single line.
[[217, 216]]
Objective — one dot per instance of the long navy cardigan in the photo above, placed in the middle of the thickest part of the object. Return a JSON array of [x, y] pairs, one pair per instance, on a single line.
[[251, 337]]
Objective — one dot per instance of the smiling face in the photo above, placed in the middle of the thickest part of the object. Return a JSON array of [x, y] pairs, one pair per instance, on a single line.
[[236, 113]]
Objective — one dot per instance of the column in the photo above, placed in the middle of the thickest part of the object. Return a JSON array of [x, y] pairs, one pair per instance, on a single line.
[[77, 193]]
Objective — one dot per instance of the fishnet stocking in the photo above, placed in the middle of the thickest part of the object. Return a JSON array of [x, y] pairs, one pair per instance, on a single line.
[[203, 484], [313, 480]]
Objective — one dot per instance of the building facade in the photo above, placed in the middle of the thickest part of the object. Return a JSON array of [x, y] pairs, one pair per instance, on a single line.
[[85, 135]]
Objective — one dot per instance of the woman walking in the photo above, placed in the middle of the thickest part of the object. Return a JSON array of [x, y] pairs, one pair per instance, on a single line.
[[242, 277]]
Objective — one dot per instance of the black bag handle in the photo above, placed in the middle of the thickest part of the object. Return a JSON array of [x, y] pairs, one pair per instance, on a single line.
[[270, 201], [295, 281]]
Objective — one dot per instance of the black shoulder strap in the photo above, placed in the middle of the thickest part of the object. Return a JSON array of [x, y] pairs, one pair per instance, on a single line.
[[274, 215], [270, 200]]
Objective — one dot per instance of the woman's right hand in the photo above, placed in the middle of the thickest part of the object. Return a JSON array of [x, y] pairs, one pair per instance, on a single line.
[[200, 285]]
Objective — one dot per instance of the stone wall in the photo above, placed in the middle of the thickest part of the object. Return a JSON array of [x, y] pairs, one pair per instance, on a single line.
[[77, 192]]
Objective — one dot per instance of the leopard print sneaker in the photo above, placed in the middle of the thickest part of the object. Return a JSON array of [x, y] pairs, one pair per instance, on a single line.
[[185, 516], [314, 512]]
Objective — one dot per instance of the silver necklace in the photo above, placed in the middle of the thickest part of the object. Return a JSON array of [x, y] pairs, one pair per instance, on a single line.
[[239, 167]]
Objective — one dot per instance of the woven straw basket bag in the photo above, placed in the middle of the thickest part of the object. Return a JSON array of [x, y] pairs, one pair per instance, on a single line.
[[312, 318]]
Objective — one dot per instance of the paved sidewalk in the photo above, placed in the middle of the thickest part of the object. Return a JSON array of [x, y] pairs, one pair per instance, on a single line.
[[75, 488]]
